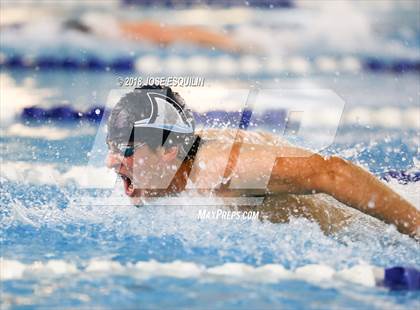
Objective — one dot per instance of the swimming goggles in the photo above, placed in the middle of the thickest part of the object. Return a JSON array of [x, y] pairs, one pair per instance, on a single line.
[[124, 149]]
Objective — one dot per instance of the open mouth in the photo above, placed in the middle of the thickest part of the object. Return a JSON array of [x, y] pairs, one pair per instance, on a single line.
[[128, 185]]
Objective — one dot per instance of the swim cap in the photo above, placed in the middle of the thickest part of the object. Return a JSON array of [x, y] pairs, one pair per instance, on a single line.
[[150, 114], [165, 113]]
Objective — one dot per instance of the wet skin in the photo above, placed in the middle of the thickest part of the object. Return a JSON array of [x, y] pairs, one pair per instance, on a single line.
[[244, 164]]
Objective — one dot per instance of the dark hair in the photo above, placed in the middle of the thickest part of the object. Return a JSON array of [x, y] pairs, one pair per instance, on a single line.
[[135, 106]]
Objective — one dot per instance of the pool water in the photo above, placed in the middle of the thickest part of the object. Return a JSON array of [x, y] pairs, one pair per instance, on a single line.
[[59, 253], [62, 254]]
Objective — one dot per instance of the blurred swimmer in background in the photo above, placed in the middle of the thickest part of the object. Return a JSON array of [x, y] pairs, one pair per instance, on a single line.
[[153, 32], [155, 149]]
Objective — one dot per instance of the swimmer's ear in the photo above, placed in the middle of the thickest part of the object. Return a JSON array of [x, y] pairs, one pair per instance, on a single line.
[[170, 153]]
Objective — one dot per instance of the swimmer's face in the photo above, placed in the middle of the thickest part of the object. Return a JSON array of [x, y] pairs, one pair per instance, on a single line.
[[142, 169]]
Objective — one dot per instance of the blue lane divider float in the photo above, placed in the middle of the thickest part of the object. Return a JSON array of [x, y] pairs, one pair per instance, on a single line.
[[62, 113], [48, 63], [249, 65], [401, 278], [403, 177], [67, 113], [276, 118], [217, 3], [272, 117]]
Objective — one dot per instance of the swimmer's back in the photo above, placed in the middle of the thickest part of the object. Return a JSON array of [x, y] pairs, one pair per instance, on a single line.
[[326, 211]]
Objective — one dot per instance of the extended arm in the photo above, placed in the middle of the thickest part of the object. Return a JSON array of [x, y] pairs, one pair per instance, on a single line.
[[347, 183]]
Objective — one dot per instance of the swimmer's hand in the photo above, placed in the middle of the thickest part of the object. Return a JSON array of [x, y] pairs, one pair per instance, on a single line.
[[347, 183]]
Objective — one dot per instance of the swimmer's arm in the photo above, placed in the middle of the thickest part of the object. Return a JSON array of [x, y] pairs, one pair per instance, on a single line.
[[347, 183]]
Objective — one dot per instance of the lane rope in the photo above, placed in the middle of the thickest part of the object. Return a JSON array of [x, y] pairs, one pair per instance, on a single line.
[[387, 117], [394, 278], [223, 65]]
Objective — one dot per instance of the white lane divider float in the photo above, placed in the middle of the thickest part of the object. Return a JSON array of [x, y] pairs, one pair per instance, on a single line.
[[365, 275]]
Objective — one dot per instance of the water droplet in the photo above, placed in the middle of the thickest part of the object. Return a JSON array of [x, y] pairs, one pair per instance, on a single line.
[[202, 165]]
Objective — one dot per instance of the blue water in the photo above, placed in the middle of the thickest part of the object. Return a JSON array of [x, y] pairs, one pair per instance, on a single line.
[[39, 224], [43, 164]]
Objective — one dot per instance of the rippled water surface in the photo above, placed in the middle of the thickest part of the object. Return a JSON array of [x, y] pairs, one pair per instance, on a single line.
[[60, 253], [38, 223]]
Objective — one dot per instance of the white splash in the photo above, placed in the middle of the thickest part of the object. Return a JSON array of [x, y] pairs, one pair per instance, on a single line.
[[46, 132], [14, 97], [51, 174], [362, 274]]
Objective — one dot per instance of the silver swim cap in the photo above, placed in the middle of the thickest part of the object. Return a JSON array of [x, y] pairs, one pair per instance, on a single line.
[[154, 115]]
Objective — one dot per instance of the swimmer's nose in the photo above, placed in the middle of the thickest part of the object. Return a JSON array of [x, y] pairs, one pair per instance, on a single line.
[[113, 160]]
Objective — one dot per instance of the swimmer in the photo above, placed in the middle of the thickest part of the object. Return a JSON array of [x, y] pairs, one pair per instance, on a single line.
[[154, 32], [152, 139]]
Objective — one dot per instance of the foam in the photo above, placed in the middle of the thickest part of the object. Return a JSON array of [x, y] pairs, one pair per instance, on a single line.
[[29, 173], [11, 269], [102, 177], [28, 94], [50, 174], [46, 132], [176, 269], [315, 272], [410, 191], [363, 274], [179, 233]]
